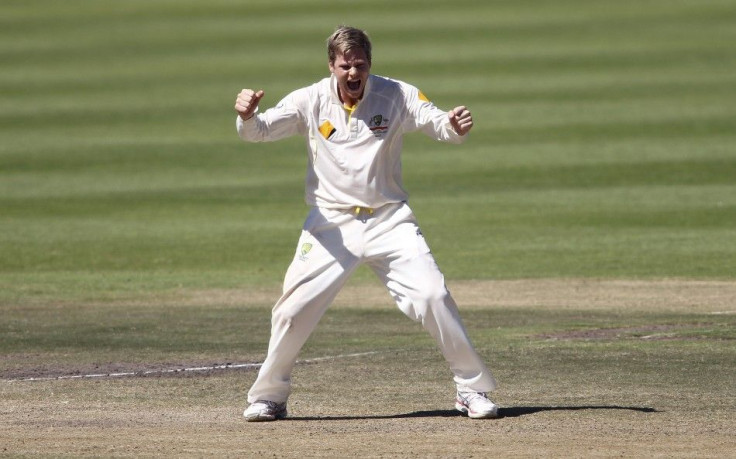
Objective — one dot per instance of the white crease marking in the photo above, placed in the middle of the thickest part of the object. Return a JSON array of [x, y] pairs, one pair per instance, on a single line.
[[227, 366]]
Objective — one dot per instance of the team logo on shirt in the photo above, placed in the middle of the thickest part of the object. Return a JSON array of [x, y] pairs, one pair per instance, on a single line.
[[378, 124]]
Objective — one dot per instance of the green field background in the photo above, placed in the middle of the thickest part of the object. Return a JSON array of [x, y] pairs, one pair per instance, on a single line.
[[603, 146], [137, 231]]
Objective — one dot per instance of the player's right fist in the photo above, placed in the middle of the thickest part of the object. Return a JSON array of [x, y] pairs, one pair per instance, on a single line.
[[247, 102]]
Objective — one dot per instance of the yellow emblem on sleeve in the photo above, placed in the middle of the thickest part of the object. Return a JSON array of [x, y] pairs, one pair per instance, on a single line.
[[423, 97], [326, 129]]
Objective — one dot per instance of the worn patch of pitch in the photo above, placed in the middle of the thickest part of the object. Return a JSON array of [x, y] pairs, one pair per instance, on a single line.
[[666, 295]]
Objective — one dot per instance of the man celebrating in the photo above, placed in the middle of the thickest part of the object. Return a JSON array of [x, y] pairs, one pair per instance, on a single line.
[[353, 123]]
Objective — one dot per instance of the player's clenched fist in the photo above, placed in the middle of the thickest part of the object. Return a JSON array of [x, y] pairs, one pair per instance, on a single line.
[[247, 102], [460, 119]]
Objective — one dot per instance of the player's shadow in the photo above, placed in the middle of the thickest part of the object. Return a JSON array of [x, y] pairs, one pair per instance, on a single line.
[[510, 412], [515, 412]]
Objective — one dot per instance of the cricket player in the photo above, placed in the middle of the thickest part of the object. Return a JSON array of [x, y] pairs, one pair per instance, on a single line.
[[353, 123]]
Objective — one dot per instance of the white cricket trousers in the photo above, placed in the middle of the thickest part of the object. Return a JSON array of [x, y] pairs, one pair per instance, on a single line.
[[332, 245]]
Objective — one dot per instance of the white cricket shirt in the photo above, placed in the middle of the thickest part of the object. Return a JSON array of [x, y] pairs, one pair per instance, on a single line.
[[354, 159]]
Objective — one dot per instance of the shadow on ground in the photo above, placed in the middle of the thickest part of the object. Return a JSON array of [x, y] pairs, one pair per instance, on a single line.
[[511, 412]]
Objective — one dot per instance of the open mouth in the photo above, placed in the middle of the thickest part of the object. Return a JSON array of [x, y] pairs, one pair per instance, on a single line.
[[354, 85]]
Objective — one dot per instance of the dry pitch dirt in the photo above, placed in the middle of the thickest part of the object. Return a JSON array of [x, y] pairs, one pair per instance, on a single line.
[[176, 416], [663, 295]]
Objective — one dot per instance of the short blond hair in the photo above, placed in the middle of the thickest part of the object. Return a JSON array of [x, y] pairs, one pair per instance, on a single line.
[[346, 38]]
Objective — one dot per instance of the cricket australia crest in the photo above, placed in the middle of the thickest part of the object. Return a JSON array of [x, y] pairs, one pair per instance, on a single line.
[[378, 124]]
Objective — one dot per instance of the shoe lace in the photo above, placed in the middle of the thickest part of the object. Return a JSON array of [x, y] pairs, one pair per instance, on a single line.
[[269, 404], [470, 396]]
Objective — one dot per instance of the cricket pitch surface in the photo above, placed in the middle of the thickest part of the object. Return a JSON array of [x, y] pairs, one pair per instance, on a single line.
[[586, 368]]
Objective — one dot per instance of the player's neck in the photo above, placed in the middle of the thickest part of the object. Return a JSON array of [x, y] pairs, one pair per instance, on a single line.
[[348, 103]]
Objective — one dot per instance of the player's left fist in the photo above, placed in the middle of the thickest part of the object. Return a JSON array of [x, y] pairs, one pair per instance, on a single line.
[[461, 119]]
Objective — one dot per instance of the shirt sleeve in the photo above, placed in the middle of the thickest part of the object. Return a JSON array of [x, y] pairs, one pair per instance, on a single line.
[[284, 120], [425, 116]]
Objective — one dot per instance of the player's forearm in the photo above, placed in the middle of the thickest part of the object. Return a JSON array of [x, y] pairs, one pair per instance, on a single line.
[[440, 128], [273, 124], [260, 128], [249, 131]]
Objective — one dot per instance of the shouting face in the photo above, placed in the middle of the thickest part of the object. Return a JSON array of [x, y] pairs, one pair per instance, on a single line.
[[351, 69]]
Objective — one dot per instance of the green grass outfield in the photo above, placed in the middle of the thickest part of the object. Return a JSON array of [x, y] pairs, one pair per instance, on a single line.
[[604, 150], [604, 143]]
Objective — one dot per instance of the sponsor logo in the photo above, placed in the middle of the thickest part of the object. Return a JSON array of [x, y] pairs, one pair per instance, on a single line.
[[306, 247], [327, 129]]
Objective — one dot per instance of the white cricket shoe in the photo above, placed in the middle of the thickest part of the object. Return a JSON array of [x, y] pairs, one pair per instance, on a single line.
[[477, 405], [264, 410]]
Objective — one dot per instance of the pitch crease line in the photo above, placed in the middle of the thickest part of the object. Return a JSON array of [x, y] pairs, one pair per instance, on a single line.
[[227, 366]]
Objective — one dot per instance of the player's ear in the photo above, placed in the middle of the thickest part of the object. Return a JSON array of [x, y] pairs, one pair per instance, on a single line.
[[331, 66]]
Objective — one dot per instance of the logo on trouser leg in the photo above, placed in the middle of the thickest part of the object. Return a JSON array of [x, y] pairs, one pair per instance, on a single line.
[[306, 247]]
